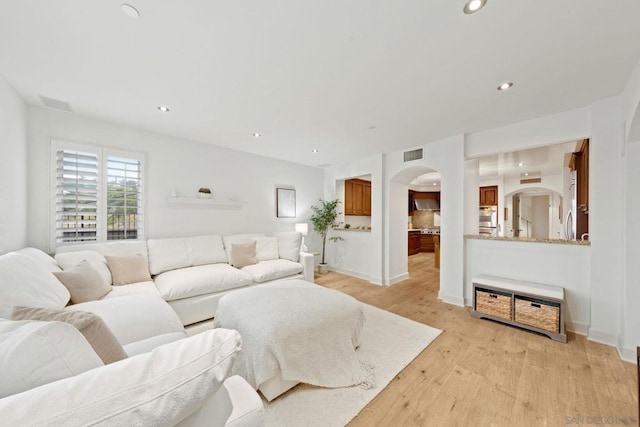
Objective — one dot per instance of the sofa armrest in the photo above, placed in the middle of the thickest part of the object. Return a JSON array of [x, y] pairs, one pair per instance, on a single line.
[[308, 265], [235, 404]]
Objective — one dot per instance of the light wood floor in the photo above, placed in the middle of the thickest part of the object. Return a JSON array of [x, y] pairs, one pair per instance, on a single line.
[[481, 373]]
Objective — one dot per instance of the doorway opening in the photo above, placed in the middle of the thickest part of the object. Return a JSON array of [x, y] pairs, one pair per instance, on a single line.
[[416, 220]]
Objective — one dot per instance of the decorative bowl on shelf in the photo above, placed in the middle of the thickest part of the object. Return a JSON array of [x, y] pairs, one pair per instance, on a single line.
[[204, 193]]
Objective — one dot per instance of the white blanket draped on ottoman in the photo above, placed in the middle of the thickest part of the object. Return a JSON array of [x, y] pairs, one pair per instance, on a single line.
[[297, 331]]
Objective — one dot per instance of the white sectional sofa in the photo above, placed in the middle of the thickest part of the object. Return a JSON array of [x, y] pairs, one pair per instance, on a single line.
[[193, 273], [53, 374]]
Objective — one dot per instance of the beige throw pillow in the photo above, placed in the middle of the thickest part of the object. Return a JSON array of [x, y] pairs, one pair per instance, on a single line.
[[243, 254], [95, 331], [84, 283], [128, 269]]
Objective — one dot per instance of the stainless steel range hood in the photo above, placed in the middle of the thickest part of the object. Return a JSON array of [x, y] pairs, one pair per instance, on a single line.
[[427, 205]]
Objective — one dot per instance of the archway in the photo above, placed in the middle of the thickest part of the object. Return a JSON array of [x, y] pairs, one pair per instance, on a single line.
[[398, 219]]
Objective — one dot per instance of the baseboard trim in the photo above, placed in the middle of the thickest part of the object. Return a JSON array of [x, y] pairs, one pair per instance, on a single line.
[[450, 299], [577, 328], [398, 278], [602, 337], [351, 273]]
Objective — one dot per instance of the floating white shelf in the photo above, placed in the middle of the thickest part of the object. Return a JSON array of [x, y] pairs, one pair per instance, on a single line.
[[202, 202]]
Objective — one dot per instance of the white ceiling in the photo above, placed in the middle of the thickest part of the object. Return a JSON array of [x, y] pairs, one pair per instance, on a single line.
[[348, 78]]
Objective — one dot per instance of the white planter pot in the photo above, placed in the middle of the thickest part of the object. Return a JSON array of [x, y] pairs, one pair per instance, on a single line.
[[323, 268]]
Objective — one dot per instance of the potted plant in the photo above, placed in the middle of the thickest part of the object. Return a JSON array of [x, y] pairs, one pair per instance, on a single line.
[[322, 220]]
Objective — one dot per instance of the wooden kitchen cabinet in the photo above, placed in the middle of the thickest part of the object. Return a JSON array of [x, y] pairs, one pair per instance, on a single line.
[[411, 202], [414, 242], [580, 163], [357, 197], [426, 243], [489, 196], [366, 199]]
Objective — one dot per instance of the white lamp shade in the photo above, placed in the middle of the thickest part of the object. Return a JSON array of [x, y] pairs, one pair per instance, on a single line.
[[302, 228]]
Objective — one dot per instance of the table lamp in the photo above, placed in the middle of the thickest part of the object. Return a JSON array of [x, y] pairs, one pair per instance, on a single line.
[[302, 228]]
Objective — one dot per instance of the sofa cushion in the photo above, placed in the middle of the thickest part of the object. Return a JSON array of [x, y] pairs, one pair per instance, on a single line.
[[159, 388], [128, 269], [84, 283], [68, 260], [266, 248], [91, 326], [26, 283], [200, 280], [134, 318], [171, 254], [35, 353], [289, 245], [206, 250], [41, 258], [273, 269], [113, 247], [238, 238], [243, 254], [146, 288]]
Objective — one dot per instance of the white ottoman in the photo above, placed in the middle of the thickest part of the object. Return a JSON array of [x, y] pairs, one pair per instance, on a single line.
[[294, 331]]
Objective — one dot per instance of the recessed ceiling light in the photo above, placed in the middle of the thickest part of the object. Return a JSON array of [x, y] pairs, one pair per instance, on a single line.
[[473, 6], [129, 10], [505, 86], [435, 183], [520, 164], [314, 151], [526, 174], [257, 134], [163, 108]]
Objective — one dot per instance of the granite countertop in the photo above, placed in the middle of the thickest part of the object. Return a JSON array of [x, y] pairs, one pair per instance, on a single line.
[[529, 240], [362, 230]]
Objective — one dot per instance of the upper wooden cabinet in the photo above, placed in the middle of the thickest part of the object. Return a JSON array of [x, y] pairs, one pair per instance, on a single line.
[[489, 196], [580, 163], [357, 197]]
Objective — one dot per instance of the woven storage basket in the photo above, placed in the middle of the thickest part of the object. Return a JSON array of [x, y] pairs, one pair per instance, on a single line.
[[494, 303], [540, 314]]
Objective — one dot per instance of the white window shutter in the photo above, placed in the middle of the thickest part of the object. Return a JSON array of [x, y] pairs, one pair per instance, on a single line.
[[76, 204]]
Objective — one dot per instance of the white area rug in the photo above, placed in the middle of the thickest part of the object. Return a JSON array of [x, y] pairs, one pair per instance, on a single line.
[[389, 343]]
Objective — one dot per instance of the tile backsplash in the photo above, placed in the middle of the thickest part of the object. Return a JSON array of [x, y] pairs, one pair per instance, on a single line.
[[425, 219]]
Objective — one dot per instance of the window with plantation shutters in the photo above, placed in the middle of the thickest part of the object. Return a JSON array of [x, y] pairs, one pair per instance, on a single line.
[[124, 198], [76, 210], [98, 194]]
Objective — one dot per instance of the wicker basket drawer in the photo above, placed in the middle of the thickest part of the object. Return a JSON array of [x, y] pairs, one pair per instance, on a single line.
[[538, 313], [497, 304]]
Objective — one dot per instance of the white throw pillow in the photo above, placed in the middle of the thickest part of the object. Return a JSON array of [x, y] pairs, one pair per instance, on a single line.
[[158, 388], [41, 258], [69, 260], [238, 238], [267, 248], [25, 283], [33, 353], [289, 245]]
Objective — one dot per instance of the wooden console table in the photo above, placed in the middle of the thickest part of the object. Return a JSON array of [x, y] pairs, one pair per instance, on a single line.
[[533, 306]]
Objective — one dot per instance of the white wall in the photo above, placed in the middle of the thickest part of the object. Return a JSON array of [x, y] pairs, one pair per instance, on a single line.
[[605, 224], [13, 169], [361, 253], [447, 157], [179, 164], [548, 263]]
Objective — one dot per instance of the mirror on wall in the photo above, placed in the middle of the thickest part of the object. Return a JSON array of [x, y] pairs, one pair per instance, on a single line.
[[543, 191]]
